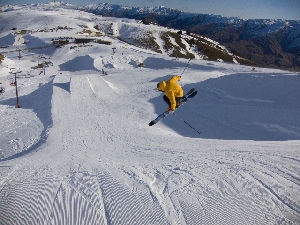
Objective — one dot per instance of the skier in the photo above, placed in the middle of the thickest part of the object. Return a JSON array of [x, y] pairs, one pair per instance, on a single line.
[[173, 92]]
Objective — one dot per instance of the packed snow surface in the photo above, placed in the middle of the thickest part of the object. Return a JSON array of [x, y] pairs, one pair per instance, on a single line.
[[79, 149]]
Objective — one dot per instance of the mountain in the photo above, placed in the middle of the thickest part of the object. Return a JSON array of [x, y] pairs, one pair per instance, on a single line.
[[270, 43], [160, 39], [79, 150]]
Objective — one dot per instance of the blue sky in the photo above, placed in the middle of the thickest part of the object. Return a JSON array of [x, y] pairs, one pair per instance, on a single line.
[[246, 9]]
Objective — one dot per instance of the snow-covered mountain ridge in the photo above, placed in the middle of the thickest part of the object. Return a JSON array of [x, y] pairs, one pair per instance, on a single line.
[[269, 42], [111, 8], [253, 27], [160, 39], [42, 6]]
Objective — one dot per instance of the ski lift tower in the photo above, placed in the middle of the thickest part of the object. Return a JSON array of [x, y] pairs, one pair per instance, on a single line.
[[19, 54], [18, 105]]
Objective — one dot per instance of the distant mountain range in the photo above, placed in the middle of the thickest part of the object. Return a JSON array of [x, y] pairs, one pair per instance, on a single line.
[[159, 39], [267, 43], [270, 43]]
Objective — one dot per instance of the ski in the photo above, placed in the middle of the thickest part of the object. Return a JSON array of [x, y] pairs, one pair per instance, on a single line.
[[191, 94]]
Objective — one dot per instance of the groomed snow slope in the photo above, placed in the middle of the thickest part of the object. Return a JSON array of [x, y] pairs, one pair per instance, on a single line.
[[80, 151]]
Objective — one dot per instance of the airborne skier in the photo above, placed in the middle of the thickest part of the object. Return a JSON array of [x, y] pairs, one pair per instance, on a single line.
[[173, 92], [173, 97]]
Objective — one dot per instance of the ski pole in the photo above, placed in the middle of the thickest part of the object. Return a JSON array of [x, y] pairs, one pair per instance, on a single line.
[[187, 124], [186, 66]]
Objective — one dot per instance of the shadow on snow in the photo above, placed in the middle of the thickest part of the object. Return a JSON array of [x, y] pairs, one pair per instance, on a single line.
[[78, 64], [160, 63], [239, 107], [65, 86], [40, 102]]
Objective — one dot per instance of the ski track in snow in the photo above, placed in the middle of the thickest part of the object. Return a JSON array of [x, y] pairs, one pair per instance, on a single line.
[[80, 151]]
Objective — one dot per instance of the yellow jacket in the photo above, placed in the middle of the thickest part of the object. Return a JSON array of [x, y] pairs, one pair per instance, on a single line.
[[171, 90]]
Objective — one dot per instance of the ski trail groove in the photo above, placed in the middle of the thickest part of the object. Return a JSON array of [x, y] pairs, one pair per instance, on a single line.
[[277, 196]]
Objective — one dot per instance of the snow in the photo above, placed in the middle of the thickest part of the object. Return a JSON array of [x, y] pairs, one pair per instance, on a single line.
[[252, 28], [80, 151]]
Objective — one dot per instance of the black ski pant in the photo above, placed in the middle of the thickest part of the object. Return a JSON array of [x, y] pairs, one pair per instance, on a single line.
[[167, 100]]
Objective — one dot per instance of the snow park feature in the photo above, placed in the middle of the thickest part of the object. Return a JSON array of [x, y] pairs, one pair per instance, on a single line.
[[80, 150]]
